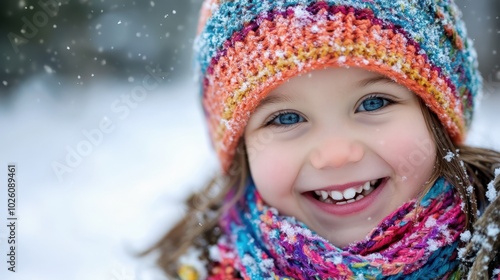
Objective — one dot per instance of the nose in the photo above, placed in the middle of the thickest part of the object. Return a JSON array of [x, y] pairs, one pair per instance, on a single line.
[[335, 152]]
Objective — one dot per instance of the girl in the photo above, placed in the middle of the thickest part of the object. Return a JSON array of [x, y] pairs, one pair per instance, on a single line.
[[339, 125]]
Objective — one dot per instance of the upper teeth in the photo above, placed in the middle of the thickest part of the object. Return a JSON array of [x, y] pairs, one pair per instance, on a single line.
[[347, 193]]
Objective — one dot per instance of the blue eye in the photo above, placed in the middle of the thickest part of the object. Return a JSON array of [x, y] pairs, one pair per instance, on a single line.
[[286, 118], [372, 104]]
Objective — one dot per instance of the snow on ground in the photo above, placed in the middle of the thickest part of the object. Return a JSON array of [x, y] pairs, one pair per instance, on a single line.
[[122, 169], [86, 223]]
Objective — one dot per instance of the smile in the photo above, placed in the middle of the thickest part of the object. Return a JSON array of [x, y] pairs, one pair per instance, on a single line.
[[349, 195]]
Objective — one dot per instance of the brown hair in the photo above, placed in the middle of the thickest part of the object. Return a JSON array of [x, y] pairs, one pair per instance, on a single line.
[[199, 227], [470, 170], [468, 166]]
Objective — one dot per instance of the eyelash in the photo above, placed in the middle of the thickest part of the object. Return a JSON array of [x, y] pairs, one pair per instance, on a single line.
[[390, 101], [276, 115], [273, 117]]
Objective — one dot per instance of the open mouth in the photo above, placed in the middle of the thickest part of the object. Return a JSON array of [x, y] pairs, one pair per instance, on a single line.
[[349, 195]]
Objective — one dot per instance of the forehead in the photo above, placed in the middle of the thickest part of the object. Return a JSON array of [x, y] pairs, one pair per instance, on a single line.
[[328, 78], [344, 75]]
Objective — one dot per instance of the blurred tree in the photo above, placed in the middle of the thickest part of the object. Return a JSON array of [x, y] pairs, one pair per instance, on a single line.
[[73, 42], [76, 41], [482, 19]]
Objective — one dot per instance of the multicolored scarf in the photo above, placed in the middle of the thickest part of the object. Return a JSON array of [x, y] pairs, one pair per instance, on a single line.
[[417, 241]]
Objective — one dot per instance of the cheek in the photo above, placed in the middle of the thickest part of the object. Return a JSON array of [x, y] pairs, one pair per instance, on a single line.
[[272, 170], [411, 154]]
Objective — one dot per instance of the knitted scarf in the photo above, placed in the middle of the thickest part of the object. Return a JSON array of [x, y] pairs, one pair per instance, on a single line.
[[417, 241]]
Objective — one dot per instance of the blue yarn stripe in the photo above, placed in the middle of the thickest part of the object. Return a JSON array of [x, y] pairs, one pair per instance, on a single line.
[[413, 16]]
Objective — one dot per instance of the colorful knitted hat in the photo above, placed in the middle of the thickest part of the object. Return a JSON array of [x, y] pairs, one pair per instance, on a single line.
[[245, 48]]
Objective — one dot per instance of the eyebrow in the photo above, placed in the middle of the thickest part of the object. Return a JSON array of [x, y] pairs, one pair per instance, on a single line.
[[276, 99], [273, 99], [374, 80]]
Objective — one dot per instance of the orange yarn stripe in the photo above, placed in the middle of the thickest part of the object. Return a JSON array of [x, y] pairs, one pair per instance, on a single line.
[[284, 48]]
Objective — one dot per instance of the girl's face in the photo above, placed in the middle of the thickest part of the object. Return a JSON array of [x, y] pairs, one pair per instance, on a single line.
[[339, 149]]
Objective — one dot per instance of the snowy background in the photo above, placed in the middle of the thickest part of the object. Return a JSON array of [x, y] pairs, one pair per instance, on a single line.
[[128, 164]]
